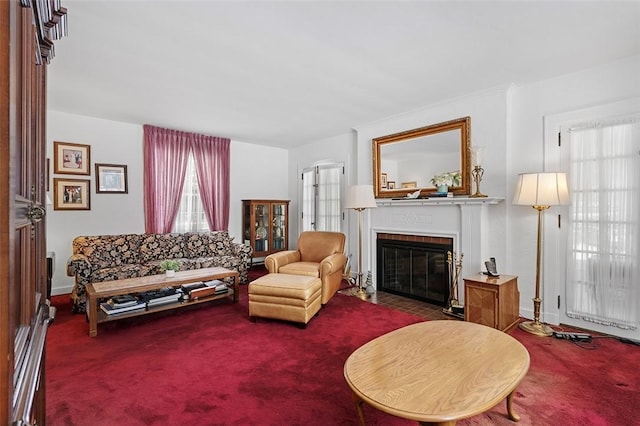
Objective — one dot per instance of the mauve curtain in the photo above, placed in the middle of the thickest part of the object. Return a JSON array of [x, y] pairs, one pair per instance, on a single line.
[[165, 163], [212, 157]]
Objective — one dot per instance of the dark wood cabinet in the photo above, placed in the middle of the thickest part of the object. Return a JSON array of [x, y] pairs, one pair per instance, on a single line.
[[265, 226], [492, 301]]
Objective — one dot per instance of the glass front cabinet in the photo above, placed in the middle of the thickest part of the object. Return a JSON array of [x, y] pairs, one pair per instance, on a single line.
[[265, 226]]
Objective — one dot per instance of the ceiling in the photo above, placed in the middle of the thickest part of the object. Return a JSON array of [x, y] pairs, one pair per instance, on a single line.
[[287, 73]]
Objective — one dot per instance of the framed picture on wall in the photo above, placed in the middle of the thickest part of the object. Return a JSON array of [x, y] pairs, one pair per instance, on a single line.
[[383, 180], [71, 194], [111, 178], [71, 158], [391, 184], [413, 184]]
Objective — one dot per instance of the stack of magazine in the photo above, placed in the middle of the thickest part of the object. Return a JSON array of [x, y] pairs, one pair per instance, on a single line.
[[122, 304], [161, 296], [219, 286]]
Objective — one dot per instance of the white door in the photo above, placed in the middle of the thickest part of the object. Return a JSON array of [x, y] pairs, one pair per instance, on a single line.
[[596, 270], [321, 198]]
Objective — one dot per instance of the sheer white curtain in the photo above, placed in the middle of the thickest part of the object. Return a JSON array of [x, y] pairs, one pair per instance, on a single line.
[[191, 216], [329, 216], [321, 198], [308, 204], [604, 249]]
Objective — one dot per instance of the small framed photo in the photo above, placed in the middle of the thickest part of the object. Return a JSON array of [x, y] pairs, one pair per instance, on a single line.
[[409, 185], [111, 178], [391, 184], [71, 158], [71, 194], [383, 180]]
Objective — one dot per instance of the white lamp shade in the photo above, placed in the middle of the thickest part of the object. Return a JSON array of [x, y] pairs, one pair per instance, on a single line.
[[359, 197], [541, 189]]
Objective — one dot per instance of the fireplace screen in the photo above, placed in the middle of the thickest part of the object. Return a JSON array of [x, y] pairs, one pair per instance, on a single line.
[[414, 269]]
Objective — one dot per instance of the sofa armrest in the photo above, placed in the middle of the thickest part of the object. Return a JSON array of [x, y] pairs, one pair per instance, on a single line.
[[78, 264], [243, 251], [332, 263], [275, 261]]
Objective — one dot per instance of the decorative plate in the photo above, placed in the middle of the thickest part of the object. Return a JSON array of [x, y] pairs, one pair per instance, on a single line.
[[261, 232]]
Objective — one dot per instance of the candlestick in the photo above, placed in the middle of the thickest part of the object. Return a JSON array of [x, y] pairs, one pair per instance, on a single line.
[[477, 156], [477, 173]]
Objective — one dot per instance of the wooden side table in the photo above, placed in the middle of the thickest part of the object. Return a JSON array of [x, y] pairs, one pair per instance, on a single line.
[[492, 301]]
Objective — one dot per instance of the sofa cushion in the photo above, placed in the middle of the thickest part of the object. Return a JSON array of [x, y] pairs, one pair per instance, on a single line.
[[120, 272], [108, 250], [207, 244], [162, 246], [229, 262]]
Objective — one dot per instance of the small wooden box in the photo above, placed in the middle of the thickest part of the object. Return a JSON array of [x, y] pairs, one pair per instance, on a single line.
[[199, 293]]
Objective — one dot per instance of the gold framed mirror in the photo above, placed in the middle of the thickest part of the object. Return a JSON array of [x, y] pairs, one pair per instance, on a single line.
[[415, 156]]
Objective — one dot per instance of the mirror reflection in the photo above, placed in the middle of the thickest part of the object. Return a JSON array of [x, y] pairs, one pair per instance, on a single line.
[[408, 161]]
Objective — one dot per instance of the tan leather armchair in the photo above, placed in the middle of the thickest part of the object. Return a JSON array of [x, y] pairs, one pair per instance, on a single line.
[[319, 254]]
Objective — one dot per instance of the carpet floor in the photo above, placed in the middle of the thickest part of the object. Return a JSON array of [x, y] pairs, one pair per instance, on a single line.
[[210, 365]]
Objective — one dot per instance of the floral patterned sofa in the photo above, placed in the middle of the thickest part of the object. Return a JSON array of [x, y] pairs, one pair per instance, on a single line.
[[113, 257]]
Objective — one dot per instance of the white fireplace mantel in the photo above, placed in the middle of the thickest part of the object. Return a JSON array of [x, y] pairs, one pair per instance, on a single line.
[[464, 219], [436, 201]]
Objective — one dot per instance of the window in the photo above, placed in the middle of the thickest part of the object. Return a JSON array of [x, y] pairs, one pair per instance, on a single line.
[[321, 198], [191, 216]]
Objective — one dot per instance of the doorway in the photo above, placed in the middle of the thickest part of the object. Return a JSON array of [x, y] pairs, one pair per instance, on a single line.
[[597, 247]]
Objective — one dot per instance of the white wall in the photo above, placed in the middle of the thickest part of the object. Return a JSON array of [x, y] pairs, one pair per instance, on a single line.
[[256, 172], [529, 105], [488, 112], [507, 122], [337, 149]]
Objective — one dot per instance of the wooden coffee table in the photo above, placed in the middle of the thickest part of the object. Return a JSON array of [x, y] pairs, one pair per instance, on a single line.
[[437, 372], [106, 289]]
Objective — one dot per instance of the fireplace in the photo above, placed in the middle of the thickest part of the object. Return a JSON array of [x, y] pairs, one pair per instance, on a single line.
[[414, 266]]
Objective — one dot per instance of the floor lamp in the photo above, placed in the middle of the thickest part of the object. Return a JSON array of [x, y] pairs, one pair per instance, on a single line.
[[540, 191], [359, 198]]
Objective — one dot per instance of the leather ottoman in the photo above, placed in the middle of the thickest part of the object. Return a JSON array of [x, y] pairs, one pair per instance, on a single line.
[[286, 297]]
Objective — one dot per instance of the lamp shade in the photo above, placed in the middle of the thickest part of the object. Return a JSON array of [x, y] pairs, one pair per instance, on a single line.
[[541, 189], [360, 197]]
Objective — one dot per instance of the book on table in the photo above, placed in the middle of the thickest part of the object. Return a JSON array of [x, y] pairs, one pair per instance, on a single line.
[[122, 301], [110, 310], [171, 298], [205, 289], [160, 296], [219, 286], [188, 288]]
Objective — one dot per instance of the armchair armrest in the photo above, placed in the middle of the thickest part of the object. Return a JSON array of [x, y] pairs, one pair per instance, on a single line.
[[332, 263], [275, 261], [78, 264]]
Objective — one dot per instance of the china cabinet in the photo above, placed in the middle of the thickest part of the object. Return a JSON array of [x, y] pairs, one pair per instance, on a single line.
[[265, 226]]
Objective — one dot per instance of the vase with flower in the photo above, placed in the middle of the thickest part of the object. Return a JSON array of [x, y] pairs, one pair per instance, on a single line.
[[444, 180]]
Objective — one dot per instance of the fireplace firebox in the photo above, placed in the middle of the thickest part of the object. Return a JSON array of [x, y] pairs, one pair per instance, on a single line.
[[414, 266]]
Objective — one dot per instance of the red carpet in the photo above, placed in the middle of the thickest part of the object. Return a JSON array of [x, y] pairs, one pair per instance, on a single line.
[[211, 366]]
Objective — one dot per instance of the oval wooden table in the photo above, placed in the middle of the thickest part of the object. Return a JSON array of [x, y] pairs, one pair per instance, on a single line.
[[437, 372]]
